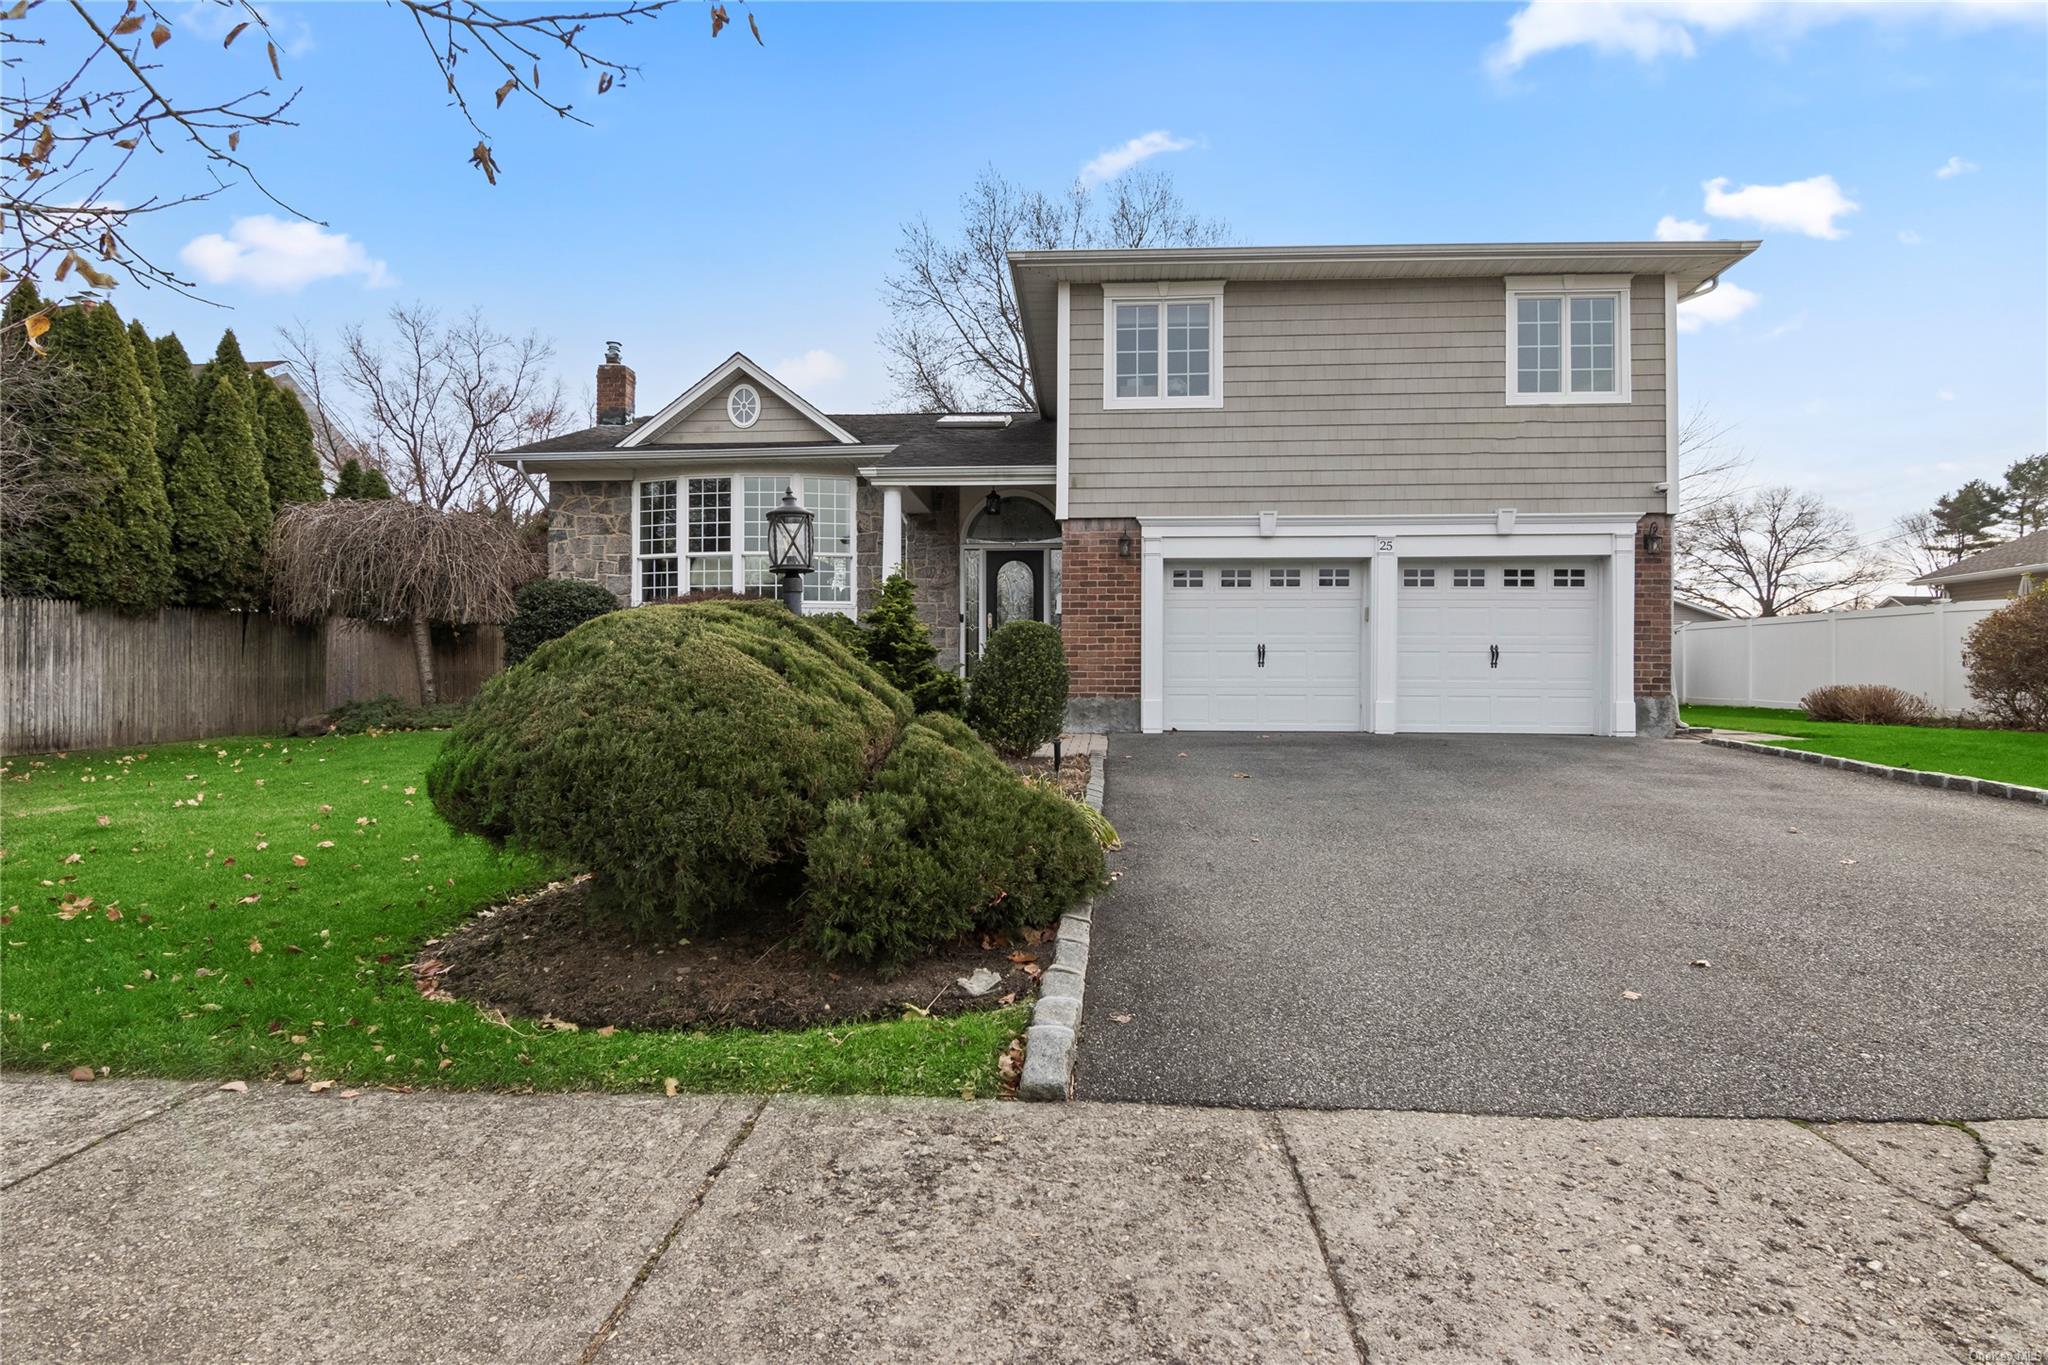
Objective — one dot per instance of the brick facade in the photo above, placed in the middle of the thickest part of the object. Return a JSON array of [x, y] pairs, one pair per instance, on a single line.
[[1653, 610], [931, 561], [1100, 594], [590, 533]]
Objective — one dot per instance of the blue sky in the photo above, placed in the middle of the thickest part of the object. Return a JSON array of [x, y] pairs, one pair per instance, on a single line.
[[744, 197]]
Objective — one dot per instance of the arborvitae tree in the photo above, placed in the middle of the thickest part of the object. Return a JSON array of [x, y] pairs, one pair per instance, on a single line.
[[207, 537], [290, 465], [177, 416], [233, 447], [44, 491], [152, 379], [375, 487], [348, 485], [111, 545], [899, 644]]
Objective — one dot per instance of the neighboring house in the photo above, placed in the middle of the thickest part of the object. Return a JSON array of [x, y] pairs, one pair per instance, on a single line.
[[1908, 599], [1387, 488], [1992, 575], [1685, 612]]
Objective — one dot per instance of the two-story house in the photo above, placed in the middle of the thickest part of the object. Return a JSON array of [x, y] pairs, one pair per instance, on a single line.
[[1383, 488]]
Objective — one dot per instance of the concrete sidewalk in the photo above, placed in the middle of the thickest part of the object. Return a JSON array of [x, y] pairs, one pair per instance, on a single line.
[[155, 1222]]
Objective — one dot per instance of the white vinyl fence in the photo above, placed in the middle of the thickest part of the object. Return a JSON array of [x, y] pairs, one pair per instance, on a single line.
[[1774, 661]]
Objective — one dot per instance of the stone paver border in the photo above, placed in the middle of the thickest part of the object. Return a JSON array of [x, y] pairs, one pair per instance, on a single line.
[[1051, 1041], [1981, 786]]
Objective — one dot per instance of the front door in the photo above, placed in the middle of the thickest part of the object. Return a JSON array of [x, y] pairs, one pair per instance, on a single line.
[[1015, 587]]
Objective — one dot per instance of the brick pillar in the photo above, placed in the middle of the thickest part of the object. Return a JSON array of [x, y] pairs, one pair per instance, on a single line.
[[1100, 593], [1656, 710]]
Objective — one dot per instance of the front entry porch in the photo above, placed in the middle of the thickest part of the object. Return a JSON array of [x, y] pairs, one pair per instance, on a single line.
[[981, 554]]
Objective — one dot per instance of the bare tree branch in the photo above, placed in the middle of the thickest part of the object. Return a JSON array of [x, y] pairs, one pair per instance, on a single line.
[[1773, 553]]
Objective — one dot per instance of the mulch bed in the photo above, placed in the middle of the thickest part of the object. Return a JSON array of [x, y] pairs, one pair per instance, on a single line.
[[1073, 771], [545, 956]]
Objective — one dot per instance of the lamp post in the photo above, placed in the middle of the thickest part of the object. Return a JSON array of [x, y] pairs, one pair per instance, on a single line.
[[789, 547]]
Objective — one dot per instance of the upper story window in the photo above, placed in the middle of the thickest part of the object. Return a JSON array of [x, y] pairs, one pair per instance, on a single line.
[[1162, 346], [1567, 340]]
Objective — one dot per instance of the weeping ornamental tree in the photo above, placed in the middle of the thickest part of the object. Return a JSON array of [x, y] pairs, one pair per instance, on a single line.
[[391, 560]]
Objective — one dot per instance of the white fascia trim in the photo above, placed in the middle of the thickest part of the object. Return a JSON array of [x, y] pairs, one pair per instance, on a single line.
[[1671, 470], [945, 476], [1162, 292], [1440, 523], [2014, 571], [688, 455], [1624, 381], [710, 382], [1060, 438]]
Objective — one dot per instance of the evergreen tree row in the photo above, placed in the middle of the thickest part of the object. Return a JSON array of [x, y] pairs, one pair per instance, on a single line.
[[161, 478]]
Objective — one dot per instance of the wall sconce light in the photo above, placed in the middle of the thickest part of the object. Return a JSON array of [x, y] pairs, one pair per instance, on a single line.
[[1123, 546], [993, 504], [1652, 542]]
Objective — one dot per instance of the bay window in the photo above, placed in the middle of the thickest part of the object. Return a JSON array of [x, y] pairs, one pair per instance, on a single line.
[[700, 533]]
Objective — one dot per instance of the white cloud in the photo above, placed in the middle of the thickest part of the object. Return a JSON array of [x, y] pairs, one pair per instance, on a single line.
[[1117, 160], [1670, 229], [812, 369], [292, 34], [1787, 327], [1946, 395], [1650, 30], [1809, 206], [1908, 237], [1724, 303], [1953, 167], [268, 253]]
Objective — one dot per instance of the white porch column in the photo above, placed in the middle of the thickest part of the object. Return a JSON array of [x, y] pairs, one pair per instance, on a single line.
[[892, 531], [1621, 603], [1383, 585]]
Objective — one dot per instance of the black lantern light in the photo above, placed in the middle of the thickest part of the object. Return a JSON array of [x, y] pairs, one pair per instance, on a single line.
[[789, 547], [1652, 541], [993, 504]]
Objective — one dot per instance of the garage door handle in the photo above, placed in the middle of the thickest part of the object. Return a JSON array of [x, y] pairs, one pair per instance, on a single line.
[[1262, 656], [1496, 656]]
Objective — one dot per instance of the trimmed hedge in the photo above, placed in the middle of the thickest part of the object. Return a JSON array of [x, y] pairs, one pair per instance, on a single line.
[[549, 608], [1017, 698], [947, 842], [683, 754]]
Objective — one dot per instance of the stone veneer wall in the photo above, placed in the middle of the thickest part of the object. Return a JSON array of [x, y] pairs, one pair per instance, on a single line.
[[590, 533], [1100, 595], [1656, 709], [931, 561]]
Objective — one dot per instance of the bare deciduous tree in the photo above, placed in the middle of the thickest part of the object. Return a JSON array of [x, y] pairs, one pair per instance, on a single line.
[[957, 341], [86, 90], [36, 478], [1710, 469], [392, 560], [429, 404], [1772, 553]]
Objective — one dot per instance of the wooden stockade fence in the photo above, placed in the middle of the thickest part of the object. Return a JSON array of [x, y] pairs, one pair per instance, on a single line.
[[76, 679]]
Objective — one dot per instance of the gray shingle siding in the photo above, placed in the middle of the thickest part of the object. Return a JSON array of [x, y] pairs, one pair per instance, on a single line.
[[1367, 397]]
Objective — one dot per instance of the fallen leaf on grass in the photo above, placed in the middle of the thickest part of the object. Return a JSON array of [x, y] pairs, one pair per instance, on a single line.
[[250, 899], [255, 945], [669, 1086], [298, 860], [105, 820], [318, 1086], [236, 1086], [81, 1073], [607, 1031], [74, 858], [113, 912]]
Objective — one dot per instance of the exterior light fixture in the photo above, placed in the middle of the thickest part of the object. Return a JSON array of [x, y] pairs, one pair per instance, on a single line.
[[789, 547], [993, 504], [1652, 542], [1123, 546]]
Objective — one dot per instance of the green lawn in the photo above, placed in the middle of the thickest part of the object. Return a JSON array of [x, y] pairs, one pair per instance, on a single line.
[[2001, 755], [238, 908]]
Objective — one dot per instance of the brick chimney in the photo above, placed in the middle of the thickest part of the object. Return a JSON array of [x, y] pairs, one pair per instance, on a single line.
[[614, 389]]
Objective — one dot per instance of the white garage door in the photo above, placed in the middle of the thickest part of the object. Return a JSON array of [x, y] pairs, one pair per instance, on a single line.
[[1264, 646], [1508, 646]]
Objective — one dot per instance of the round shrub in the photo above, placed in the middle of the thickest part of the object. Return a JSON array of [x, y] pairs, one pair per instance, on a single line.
[[1866, 704], [947, 842], [2006, 656], [1017, 698], [548, 608], [682, 754]]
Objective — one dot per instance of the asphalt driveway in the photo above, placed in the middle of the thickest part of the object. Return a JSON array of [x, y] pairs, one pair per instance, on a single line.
[[1453, 924]]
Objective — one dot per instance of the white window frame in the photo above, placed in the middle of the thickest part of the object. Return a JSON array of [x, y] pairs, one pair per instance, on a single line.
[[732, 399], [1163, 293], [738, 552], [1565, 288]]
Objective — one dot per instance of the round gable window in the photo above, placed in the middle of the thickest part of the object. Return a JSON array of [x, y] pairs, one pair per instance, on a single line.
[[743, 405]]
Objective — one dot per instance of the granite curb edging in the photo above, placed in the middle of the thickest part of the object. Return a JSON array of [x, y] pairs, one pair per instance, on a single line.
[[1052, 1041], [1981, 786]]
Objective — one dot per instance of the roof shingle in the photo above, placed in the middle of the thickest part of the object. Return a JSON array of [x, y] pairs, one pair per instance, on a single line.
[[921, 443]]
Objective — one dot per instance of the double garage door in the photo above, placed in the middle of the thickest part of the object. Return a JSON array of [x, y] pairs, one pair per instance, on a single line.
[[1510, 646]]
